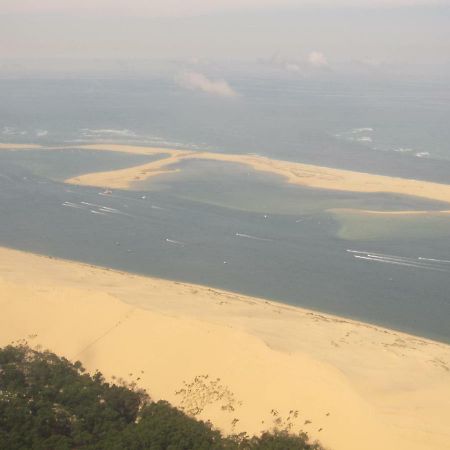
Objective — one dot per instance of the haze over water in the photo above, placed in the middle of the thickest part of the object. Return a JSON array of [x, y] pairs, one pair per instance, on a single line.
[[224, 225]]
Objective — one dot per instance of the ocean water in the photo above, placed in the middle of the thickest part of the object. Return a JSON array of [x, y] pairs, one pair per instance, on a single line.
[[391, 128], [61, 164], [224, 225]]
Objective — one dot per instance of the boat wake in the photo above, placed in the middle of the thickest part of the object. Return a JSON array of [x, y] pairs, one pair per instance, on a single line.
[[249, 236], [438, 265], [174, 242], [94, 208]]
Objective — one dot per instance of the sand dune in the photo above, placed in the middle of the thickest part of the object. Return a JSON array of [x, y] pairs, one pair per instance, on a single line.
[[296, 173], [362, 386]]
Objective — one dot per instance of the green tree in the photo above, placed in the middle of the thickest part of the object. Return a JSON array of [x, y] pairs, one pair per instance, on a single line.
[[49, 403]]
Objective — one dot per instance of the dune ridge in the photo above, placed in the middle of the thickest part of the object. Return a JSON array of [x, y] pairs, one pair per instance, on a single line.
[[246, 363]]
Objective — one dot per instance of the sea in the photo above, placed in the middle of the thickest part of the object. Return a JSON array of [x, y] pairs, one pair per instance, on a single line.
[[223, 224]]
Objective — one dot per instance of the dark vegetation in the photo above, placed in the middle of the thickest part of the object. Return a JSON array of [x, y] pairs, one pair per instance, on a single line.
[[49, 403]]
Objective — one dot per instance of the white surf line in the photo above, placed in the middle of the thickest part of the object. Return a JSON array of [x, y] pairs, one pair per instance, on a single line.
[[256, 238], [401, 263], [173, 241], [97, 212]]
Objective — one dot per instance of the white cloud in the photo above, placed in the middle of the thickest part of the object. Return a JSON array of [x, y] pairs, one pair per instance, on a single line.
[[314, 60], [292, 67], [196, 81], [317, 60]]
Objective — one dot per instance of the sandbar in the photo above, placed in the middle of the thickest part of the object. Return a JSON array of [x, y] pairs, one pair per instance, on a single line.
[[6, 146], [307, 175], [386, 213]]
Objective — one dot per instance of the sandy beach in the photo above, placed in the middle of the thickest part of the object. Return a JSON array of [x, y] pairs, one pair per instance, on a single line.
[[296, 173], [354, 385]]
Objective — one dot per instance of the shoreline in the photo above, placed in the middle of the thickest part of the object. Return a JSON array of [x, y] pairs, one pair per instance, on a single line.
[[355, 382], [368, 212], [243, 297], [238, 296], [6, 146], [307, 175]]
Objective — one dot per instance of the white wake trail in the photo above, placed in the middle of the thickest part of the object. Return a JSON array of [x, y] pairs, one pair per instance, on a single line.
[[420, 262], [398, 263], [174, 242], [445, 261], [249, 236]]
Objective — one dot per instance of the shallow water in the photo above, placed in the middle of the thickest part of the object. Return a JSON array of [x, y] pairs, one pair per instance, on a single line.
[[222, 224], [276, 249], [238, 186]]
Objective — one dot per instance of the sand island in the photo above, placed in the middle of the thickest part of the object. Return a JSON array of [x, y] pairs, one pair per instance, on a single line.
[[307, 175]]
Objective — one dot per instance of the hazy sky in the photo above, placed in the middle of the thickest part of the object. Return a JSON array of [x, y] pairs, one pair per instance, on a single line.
[[158, 8], [290, 32]]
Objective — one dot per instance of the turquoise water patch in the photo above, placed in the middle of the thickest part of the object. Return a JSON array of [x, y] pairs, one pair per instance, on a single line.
[[238, 186], [246, 233], [354, 226]]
